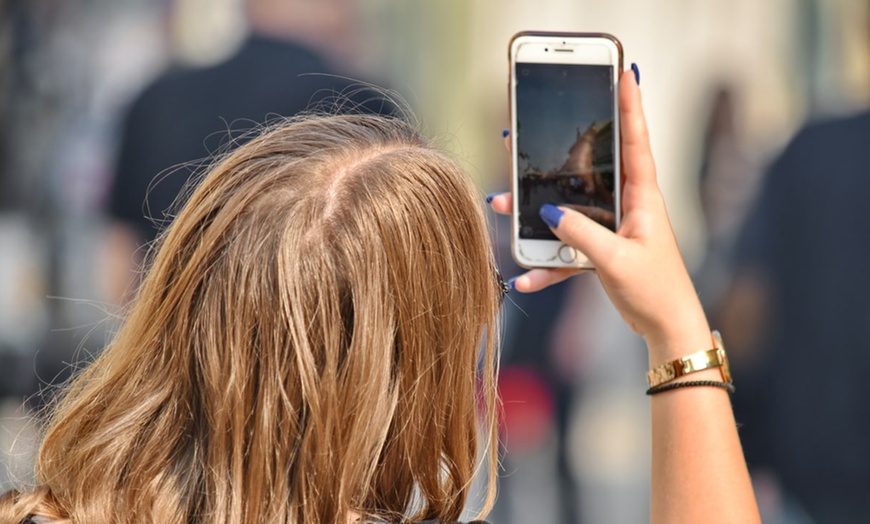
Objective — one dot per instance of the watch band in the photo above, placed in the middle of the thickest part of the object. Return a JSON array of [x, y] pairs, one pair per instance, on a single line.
[[701, 360]]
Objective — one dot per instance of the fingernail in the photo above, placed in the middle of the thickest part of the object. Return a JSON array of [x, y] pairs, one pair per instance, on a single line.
[[505, 133], [512, 283], [636, 73], [490, 196], [552, 215]]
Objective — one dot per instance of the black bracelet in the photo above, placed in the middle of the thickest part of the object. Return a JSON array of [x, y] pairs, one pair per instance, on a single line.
[[691, 383]]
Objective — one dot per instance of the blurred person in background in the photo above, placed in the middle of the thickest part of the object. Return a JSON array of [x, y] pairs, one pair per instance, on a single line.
[[798, 300], [297, 57], [798, 306], [785, 275], [800, 295]]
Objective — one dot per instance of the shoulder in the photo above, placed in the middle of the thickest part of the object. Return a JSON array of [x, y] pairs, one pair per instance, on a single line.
[[853, 123], [831, 134], [820, 147]]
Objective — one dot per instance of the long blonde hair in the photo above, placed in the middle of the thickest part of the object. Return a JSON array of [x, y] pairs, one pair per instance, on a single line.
[[305, 344]]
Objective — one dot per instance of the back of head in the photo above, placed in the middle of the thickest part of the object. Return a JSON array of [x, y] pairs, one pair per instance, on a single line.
[[305, 344]]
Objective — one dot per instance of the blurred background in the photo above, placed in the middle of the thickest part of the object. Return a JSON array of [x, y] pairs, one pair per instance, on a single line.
[[752, 111]]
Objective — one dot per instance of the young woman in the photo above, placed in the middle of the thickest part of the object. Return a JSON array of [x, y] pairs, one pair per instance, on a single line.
[[306, 345]]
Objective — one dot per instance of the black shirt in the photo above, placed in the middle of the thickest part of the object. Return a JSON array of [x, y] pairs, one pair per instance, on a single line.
[[187, 115]]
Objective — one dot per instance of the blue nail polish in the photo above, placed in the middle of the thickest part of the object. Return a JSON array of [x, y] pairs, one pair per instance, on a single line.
[[512, 283], [636, 73], [505, 133], [552, 215], [490, 196]]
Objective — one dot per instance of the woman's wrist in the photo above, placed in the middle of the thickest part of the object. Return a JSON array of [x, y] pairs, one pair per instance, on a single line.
[[684, 335]]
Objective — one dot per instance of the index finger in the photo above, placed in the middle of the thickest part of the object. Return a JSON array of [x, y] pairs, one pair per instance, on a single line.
[[637, 159]]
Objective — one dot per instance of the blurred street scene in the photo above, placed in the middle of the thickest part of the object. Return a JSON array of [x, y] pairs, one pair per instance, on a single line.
[[758, 117]]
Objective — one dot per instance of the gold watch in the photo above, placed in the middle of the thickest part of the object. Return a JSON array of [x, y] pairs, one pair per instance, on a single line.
[[705, 359]]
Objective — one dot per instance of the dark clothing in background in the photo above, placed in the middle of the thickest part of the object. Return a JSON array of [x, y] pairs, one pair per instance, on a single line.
[[187, 115], [809, 236]]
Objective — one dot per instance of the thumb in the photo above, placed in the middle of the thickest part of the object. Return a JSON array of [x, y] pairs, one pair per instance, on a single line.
[[580, 232]]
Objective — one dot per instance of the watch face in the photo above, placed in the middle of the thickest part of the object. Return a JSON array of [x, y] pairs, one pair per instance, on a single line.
[[720, 345]]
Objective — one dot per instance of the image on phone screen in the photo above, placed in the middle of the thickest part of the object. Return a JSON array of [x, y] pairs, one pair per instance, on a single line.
[[565, 142]]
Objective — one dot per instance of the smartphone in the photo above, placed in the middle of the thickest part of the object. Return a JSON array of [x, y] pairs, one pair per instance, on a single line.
[[564, 126]]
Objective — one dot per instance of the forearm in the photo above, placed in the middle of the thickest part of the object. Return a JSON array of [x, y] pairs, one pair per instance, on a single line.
[[698, 470]]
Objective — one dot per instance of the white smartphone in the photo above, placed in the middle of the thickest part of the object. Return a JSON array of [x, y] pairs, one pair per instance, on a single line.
[[564, 138]]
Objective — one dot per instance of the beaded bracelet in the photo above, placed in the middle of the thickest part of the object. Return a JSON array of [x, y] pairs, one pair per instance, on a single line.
[[691, 383]]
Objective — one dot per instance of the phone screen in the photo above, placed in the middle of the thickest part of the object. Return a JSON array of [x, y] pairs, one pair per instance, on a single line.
[[565, 142]]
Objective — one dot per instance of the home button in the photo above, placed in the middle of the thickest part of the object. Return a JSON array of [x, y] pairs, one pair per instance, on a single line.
[[567, 254]]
